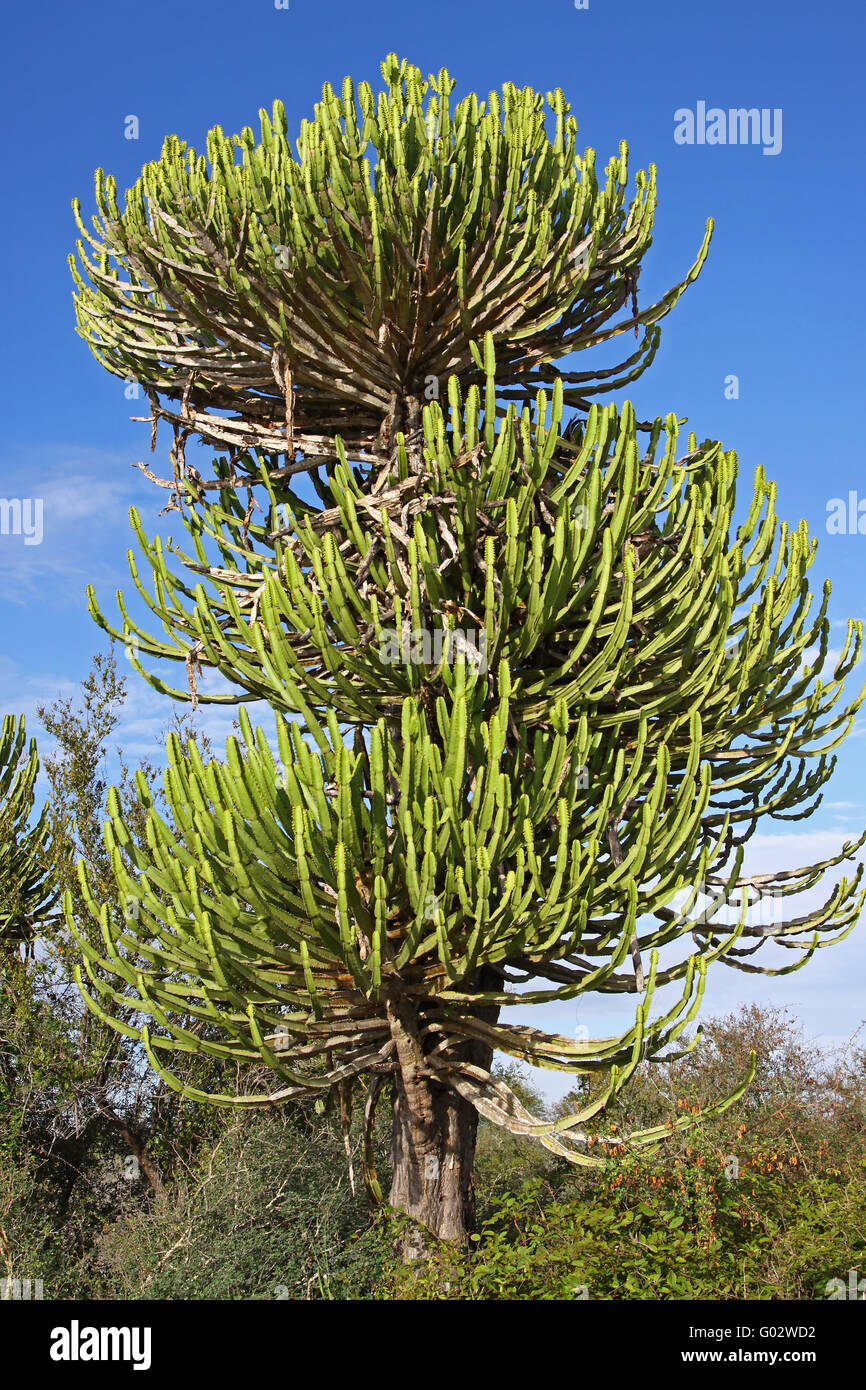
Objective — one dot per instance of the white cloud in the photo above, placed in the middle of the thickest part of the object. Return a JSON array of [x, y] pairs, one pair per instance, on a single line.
[[85, 497]]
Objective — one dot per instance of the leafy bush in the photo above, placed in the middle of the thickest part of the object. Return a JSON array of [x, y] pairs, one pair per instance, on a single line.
[[767, 1240], [269, 1213]]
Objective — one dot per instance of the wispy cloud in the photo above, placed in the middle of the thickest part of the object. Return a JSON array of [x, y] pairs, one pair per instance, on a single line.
[[85, 495]]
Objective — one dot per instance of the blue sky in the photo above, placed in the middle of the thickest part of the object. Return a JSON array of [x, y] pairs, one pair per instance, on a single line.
[[780, 304]]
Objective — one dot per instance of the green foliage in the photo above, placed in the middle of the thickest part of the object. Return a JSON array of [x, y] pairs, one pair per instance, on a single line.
[[544, 808], [372, 263], [773, 1242], [686, 1223], [267, 1212], [85, 1130]]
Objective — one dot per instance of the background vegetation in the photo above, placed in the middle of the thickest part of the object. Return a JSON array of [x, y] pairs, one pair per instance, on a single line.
[[113, 1187]]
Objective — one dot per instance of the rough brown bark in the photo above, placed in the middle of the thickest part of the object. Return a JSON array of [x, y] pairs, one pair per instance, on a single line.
[[432, 1163], [433, 1137]]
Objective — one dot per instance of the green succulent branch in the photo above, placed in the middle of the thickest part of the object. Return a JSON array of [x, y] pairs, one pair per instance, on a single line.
[[607, 575], [531, 807], [27, 888], [317, 295]]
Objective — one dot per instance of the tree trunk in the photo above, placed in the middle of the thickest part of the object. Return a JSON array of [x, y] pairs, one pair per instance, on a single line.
[[433, 1132], [432, 1163]]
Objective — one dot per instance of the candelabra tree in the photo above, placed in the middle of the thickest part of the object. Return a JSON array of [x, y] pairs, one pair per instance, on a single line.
[[534, 688], [27, 889]]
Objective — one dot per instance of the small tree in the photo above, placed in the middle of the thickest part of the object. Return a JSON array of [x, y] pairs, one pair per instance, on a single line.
[[532, 684], [78, 1101]]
